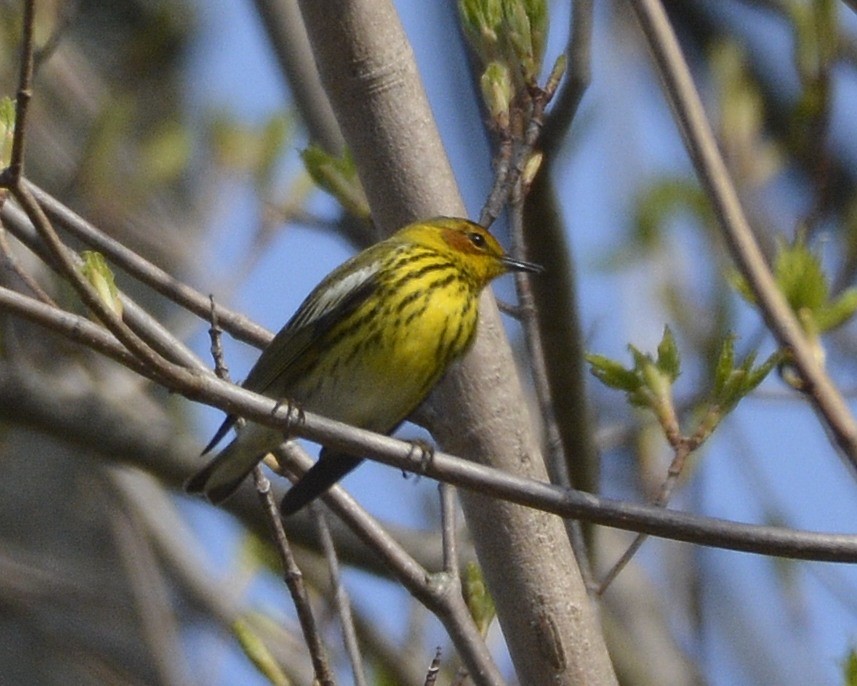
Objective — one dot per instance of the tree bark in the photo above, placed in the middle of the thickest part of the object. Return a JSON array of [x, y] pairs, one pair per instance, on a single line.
[[368, 69]]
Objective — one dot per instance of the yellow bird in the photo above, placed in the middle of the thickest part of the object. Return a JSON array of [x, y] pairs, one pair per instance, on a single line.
[[366, 346]]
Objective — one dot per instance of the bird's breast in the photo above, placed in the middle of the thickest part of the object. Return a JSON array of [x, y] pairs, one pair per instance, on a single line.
[[400, 347]]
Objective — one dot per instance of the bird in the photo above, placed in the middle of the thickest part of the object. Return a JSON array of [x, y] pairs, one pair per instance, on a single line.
[[366, 347]]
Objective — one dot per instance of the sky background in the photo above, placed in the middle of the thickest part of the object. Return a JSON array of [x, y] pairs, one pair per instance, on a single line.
[[771, 456]]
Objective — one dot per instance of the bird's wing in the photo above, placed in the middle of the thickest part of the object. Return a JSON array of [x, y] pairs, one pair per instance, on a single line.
[[286, 356]]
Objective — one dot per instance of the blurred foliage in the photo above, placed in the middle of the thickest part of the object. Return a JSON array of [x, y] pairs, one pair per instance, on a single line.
[[751, 153], [815, 29], [7, 129], [849, 668], [338, 177], [258, 653], [256, 150], [108, 136], [802, 280]]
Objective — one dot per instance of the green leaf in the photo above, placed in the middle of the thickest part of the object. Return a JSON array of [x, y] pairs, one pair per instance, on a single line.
[[724, 364], [668, 357], [731, 383], [526, 23], [836, 313], [512, 32], [802, 280], [7, 130], [478, 599], [612, 373], [757, 375], [496, 85], [800, 277], [482, 21], [649, 384], [646, 384], [537, 13], [96, 271]]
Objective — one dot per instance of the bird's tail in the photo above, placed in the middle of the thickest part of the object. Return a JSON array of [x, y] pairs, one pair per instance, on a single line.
[[329, 469], [221, 477]]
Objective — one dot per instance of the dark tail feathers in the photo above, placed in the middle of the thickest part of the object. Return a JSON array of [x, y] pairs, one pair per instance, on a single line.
[[329, 469]]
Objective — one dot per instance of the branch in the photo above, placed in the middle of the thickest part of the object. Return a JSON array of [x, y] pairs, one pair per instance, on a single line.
[[25, 93], [435, 591], [160, 281], [455, 470], [140, 321], [287, 36], [579, 55]]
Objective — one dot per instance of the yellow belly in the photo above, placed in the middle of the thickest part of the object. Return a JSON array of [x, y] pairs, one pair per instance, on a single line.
[[398, 361]]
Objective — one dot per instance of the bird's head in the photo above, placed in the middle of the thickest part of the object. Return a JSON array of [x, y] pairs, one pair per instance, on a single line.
[[470, 245]]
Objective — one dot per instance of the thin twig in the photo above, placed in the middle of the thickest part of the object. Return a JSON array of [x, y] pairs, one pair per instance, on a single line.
[[15, 267], [554, 446], [151, 593], [438, 592], [532, 118], [340, 595], [579, 54], [447, 526], [682, 450], [291, 572], [434, 669], [294, 581], [513, 152], [160, 367], [25, 94], [499, 190], [140, 321]]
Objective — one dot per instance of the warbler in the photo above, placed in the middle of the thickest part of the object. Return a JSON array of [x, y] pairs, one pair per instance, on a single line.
[[366, 346]]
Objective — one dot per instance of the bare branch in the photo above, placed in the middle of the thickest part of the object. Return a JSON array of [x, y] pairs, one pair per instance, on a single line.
[[482, 479], [294, 581], [340, 596], [25, 94], [167, 285]]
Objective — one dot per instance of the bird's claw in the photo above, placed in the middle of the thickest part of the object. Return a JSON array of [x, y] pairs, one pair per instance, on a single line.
[[294, 413]]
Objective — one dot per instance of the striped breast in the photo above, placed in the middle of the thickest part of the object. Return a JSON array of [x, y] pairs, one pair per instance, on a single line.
[[397, 345]]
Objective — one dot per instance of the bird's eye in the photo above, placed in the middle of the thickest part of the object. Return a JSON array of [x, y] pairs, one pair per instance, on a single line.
[[477, 239]]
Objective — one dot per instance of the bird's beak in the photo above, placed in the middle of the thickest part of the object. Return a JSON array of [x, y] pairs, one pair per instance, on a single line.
[[514, 265]]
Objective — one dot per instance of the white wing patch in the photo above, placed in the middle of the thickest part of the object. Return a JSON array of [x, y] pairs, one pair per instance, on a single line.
[[331, 292]]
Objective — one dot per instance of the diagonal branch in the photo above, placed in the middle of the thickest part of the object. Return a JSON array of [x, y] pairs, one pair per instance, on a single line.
[[478, 478], [714, 176]]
